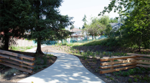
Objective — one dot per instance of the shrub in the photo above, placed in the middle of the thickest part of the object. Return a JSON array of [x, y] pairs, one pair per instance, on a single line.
[[10, 72]]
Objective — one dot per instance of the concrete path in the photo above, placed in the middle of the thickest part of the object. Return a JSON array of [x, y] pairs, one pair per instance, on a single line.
[[66, 69]]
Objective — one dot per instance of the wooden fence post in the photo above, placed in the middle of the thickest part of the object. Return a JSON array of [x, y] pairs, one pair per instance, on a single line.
[[112, 64]]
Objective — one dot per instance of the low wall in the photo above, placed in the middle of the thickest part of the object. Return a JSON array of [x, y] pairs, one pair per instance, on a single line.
[[23, 42]]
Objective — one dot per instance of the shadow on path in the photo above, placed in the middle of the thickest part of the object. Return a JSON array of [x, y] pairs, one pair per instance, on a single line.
[[66, 69]]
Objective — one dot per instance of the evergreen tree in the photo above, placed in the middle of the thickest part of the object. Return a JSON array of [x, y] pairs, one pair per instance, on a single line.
[[49, 22], [14, 18], [72, 27], [84, 20]]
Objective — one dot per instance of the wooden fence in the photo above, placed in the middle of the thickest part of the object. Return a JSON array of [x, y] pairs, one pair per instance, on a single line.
[[113, 64], [18, 61], [117, 64], [142, 60]]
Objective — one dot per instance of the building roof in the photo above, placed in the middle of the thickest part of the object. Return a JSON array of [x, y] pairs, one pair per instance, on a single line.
[[75, 30]]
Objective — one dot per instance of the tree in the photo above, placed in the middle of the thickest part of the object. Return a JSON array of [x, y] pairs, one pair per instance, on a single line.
[[136, 27], [72, 27], [104, 20], [113, 20], [14, 19], [108, 30], [95, 28], [84, 20], [60, 32], [48, 21]]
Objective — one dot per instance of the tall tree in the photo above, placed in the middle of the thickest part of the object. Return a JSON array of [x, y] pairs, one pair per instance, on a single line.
[[84, 20], [14, 19], [72, 27], [48, 20], [95, 28], [136, 27], [104, 20]]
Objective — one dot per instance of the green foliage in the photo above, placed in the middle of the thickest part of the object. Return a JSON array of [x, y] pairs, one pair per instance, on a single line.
[[135, 79], [15, 19], [10, 72], [136, 26], [84, 20], [109, 77], [38, 61], [97, 26], [111, 20], [84, 55], [129, 80], [104, 20], [108, 30], [125, 73], [52, 27], [45, 60], [49, 55], [72, 27]]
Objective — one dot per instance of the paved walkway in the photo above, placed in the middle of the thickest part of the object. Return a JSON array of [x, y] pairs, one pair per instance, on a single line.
[[66, 69]]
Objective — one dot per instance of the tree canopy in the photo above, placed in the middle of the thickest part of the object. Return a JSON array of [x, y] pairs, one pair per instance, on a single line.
[[84, 20], [14, 19], [97, 26], [137, 20], [49, 23], [40, 17]]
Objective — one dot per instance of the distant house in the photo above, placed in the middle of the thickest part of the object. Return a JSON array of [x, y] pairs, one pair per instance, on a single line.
[[115, 26], [76, 35]]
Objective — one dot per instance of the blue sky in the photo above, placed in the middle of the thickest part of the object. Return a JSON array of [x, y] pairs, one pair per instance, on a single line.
[[78, 8]]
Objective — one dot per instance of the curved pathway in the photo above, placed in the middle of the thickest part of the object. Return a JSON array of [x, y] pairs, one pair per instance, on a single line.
[[66, 69]]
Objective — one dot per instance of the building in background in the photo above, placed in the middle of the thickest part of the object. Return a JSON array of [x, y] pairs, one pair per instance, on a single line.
[[76, 35]]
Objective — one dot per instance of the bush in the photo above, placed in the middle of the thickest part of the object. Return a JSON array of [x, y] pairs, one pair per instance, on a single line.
[[10, 72]]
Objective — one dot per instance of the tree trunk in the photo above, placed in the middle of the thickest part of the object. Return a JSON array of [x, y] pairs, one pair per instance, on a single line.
[[92, 37], [95, 37], [139, 49], [139, 45], [61, 41], [38, 50], [6, 44], [6, 40]]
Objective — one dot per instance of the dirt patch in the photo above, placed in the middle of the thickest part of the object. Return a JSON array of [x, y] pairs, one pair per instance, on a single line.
[[8, 74]]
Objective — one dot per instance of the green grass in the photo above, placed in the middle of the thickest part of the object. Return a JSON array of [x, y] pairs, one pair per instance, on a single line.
[[93, 43], [18, 48], [103, 42], [88, 43]]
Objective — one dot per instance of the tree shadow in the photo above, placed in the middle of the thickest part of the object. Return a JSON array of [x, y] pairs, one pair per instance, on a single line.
[[66, 69]]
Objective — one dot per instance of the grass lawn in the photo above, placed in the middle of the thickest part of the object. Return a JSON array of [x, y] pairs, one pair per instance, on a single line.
[[20, 48], [88, 43]]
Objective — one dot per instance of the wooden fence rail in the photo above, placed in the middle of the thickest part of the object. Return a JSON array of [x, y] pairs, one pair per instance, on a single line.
[[18, 61], [117, 63], [113, 64]]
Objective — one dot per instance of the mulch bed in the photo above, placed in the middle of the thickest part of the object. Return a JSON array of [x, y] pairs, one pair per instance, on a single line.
[[20, 74], [93, 66]]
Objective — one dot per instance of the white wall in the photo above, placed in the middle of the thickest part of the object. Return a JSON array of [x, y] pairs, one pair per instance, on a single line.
[[23, 42]]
